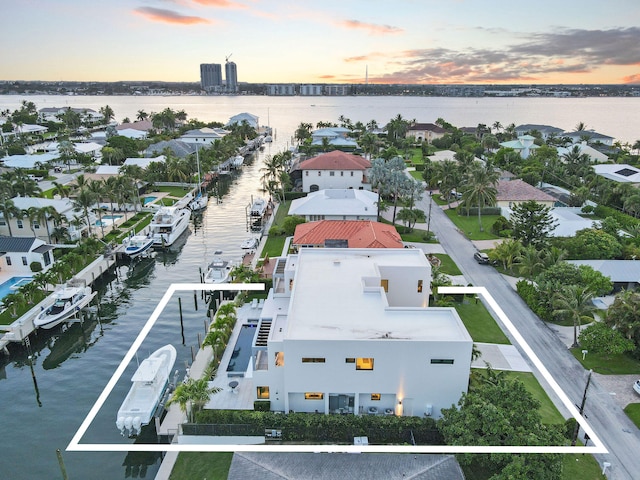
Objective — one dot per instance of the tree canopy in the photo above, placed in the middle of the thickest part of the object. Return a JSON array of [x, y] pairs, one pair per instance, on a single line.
[[532, 223]]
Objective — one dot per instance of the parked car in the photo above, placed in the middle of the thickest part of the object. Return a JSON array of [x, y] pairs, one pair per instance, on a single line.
[[481, 257], [636, 386]]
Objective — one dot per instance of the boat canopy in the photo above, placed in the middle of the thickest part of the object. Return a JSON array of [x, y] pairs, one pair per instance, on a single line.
[[148, 370]]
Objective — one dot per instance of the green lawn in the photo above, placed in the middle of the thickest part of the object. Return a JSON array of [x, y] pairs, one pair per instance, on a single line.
[[174, 191], [275, 243], [633, 412], [417, 175], [607, 365], [548, 411], [447, 266], [581, 466], [470, 226], [212, 466], [480, 324]]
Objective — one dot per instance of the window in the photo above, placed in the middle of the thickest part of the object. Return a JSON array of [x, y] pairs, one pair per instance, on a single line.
[[364, 363], [313, 360], [342, 174], [350, 360], [36, 224], [8, 261], [442, 361], [313, 396], [332, 174], [279, 359], [2, 222], [319, 173], [306, 173], [20, 224], [384, 283], [419, 286], [352, 174], [375, 396], [262, 392], [24, 261], [47, 258]]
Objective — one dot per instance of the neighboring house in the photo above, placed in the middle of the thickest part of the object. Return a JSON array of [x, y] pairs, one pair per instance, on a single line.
[[594, 155], [350, 331], [625, 274], [132, 133], [336, 204], [506, 175], [145, 161], [618, 172], [568, 222], [252, 120], [523, 145], [142, 125], [179, 148], [337, 137], [52, 114], [29, 161], [442, 155], [425, 132], [589, 136], [545, 130], [21, 227], [203, 136], [335, 170], [512, 192], [18, 253], [346, 234]]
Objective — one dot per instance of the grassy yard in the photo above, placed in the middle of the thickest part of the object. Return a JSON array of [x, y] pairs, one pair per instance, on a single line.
[[417, 175], [470, 226], [480, 324], [212, 466], [607, 365], [447, 266], [275, 243], [581, 466], [174, 191], [633, 412]]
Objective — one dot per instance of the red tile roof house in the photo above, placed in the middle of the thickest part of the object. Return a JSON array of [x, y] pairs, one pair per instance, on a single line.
[[517, 191], [333, 170], [346, 233]]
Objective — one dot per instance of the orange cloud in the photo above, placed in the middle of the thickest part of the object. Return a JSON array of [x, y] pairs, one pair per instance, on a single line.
[[372, 28], [219, 3], [635, 78], [367, 57], [168, 16]]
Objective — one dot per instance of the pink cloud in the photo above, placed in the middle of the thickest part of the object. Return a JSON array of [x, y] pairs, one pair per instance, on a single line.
[[372, 28], [219, 3], [168, 16]]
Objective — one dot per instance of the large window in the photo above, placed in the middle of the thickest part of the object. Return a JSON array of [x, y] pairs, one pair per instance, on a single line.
[[375, 396], [384, 283], [279, 359], [364, 363], [262, 392], [442, 361], [313, 359], [419, 286], [313, 396]]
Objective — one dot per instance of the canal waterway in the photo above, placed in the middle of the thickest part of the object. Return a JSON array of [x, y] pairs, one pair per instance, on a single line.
[[43, 400]]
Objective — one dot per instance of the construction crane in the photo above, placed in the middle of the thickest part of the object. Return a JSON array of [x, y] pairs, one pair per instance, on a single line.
[[226, 59]]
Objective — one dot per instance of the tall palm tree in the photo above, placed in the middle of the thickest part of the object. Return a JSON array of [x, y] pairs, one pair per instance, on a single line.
[[142, 115], [574, 303], [192, 395], [62, 190], [136, 175], [447, 175], [85, 199], [10, 210], [480, 188], [96, 188]]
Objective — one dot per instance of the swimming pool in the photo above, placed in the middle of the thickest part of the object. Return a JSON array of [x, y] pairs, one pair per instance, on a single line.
[[12, 285], [242, 350], [147, 200], [107, 220]]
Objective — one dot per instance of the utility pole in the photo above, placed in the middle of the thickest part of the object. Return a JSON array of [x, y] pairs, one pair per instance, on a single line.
[[581, 409]]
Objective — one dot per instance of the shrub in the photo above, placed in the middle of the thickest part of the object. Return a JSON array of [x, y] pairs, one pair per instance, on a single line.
[[276, 231], [499, 225], [508, 233], [262, 405], [35, 267]]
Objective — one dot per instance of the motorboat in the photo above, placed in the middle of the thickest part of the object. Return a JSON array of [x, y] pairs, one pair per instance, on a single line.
[[250, 243], [258, 207], [268, 139], [168, 224], [237, 162], [149, 383], [67, 301], [219, 269], [136, 245]]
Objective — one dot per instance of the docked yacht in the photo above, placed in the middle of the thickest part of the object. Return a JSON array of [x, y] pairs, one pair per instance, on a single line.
[[250, 243], [219, 269], [168, 224], [258, 207], [149, 383], [67, 301], [136, 245]]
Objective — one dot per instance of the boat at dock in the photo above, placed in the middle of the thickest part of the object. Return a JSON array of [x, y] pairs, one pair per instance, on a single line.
[[258, 207], [67, 301], [168, 224], [150, 382], [136, 245], [219, 269], [250, 243]]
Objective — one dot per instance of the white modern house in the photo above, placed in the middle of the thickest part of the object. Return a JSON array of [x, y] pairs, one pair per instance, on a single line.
[[350, 331], [618, 172], [336, 204], [583, 148], [18, 253], [335, 170], [252, 120], [203, 136], [335, 136]]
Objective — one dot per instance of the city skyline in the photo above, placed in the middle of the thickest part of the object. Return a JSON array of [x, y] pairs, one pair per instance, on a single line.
[[409, 42]]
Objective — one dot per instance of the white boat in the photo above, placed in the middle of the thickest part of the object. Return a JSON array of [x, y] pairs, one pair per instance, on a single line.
[[67, 301], [268, 139], [201, 199], [168, 224], [149, 385], [136, 245], [219, 269], [250, 243], [258, 207], [237, 162]]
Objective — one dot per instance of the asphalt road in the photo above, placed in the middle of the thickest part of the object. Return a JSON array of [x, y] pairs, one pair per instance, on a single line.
[[620, 436]]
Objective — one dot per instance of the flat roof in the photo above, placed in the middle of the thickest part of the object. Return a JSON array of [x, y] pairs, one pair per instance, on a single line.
[[329, 302]]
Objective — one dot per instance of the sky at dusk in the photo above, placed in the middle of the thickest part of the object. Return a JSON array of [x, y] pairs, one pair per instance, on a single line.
[[328, 41]]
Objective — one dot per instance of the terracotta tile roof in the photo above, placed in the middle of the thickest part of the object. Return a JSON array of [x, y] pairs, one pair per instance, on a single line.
[[336, 160], [520, 191], [358, 233]]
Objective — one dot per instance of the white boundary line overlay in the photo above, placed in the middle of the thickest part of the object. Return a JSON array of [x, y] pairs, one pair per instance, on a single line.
[[75, 446]]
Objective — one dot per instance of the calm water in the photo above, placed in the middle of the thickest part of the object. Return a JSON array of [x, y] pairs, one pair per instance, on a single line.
[[43, 402]]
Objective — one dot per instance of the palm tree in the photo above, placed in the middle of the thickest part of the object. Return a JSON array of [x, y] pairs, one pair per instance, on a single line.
[[97, 190], [142, 115], [507, 252], [447, 175], [574, 303], [136, 174], [192, 395], [62, 190], [9, 210], [481, 188], [45, 213], [84, 201], [67, 152], [107, 112], [530, 262]]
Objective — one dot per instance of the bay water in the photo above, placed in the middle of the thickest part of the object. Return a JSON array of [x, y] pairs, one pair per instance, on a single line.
[[43, 399]]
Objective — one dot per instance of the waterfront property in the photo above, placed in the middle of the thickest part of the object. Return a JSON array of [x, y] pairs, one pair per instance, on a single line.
[[18, 253], [12, 284], [336, 204], [346, 233], [350, 331], [334, 169]]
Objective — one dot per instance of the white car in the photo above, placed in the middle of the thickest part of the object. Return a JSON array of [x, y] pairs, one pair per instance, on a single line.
[[636, 386]]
